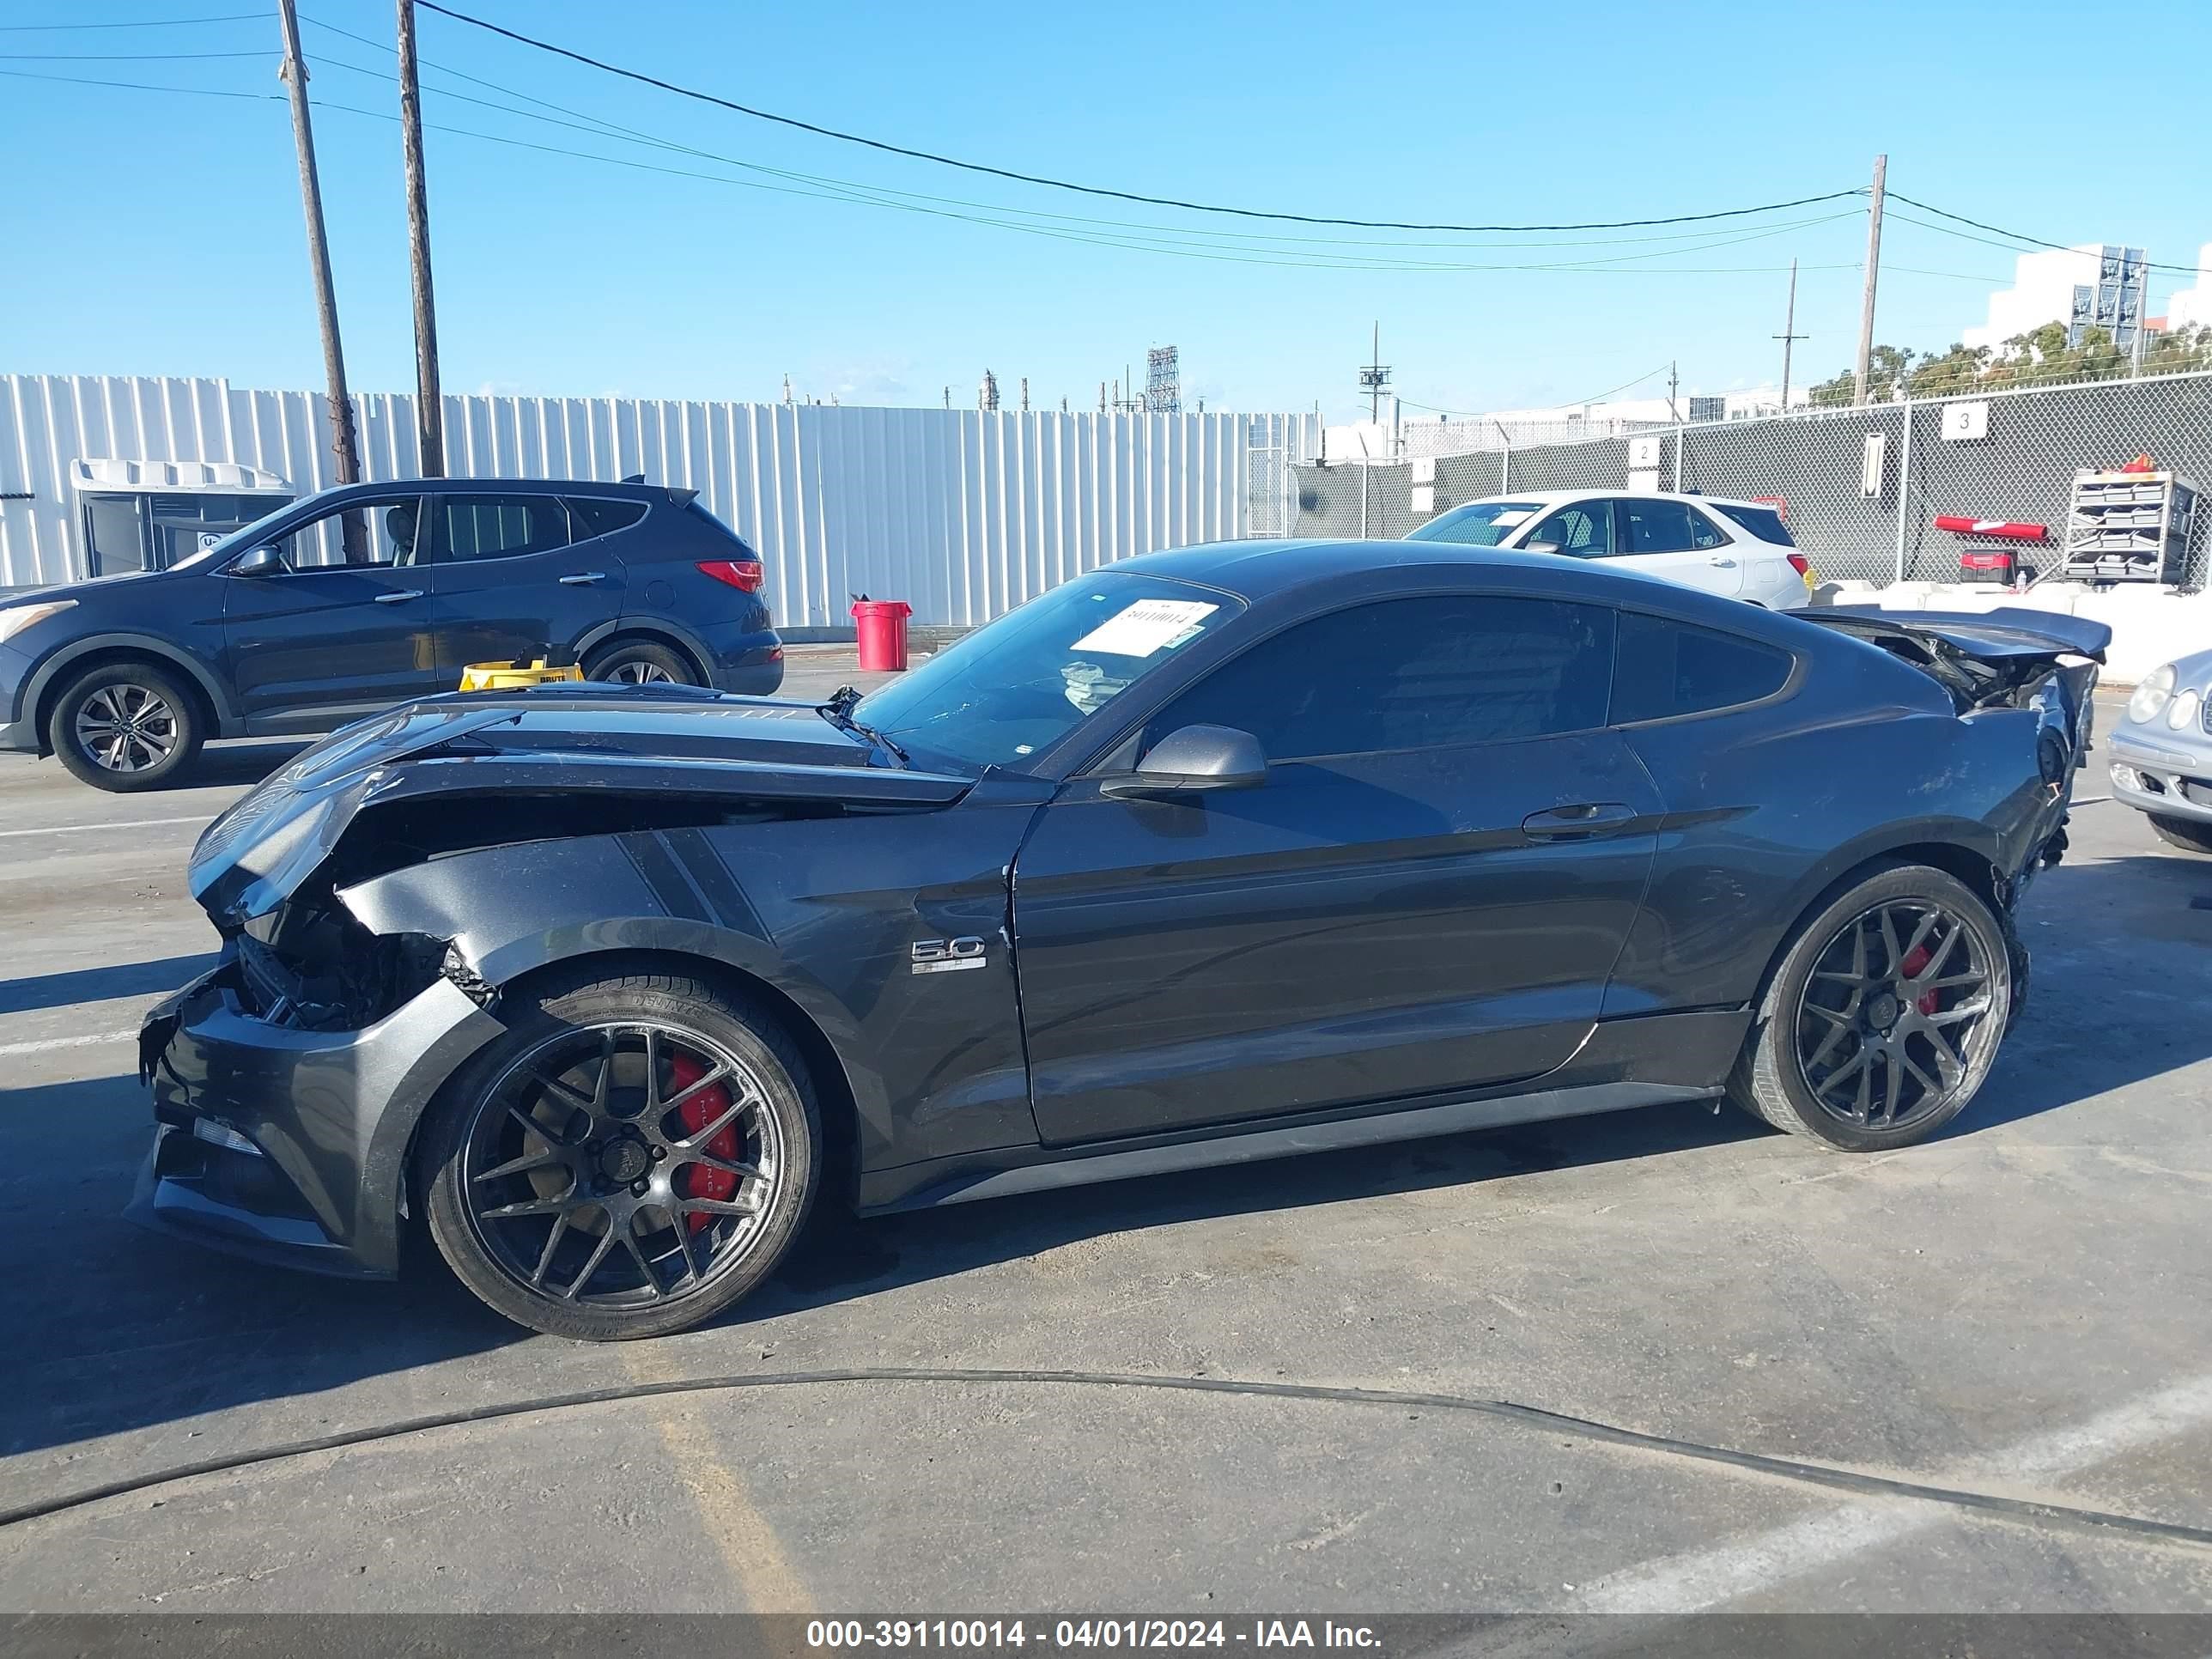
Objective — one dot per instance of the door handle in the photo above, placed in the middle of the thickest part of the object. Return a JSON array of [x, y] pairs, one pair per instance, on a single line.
[[1583, 821], [399, 596], [1725, 564], [583, 577]]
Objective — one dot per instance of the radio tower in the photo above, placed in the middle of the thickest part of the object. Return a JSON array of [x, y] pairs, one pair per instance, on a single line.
[[1163, 382]]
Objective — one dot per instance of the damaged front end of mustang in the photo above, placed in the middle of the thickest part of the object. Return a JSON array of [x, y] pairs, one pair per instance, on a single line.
[[286, 1080]]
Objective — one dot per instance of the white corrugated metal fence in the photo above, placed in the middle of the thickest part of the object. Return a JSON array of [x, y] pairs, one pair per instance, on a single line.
[[963, 513]]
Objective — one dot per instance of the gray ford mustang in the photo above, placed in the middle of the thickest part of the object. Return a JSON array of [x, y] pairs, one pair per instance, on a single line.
[[1213, 855]]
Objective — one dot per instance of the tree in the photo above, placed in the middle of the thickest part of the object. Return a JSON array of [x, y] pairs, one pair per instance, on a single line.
[[1886, 366], [1958, 369]]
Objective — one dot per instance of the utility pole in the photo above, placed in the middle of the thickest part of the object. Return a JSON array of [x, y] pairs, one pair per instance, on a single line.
[[294, 74], [1375, 379], [1873, 271], [1790, 336], [429, 405], [1375, 391], [1674, 413]]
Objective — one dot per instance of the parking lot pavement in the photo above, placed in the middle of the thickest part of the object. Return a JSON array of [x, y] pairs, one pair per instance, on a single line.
[[2015, 1313]]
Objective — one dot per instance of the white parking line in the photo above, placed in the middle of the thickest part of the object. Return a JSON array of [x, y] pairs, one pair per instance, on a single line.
[[128, 823], [1710, 1577], [10, 1050]]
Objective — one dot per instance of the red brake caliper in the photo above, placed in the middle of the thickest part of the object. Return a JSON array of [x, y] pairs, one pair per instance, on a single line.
[[1915, 960], [698, 1179]]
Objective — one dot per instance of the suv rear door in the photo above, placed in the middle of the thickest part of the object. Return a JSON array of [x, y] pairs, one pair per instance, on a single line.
[[1663, 537], [516, 575]]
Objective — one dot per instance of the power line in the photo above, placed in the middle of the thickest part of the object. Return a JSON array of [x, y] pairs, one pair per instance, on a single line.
[[1138, 244], [600, 126], [1999, 230], [1492, 414], [120, 56], [148, 23], [1096, 189]]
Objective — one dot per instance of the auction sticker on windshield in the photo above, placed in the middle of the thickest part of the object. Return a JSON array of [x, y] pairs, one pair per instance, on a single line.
[[1147, 626]]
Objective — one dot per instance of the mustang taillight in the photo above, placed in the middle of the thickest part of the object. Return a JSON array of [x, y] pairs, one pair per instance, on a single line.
[[744, 574]]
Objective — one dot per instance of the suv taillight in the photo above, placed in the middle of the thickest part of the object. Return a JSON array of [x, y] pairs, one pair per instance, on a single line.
[[1799, 564], [744, 574]]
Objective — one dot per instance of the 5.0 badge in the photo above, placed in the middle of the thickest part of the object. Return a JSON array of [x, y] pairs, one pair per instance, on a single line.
[[946, 956]]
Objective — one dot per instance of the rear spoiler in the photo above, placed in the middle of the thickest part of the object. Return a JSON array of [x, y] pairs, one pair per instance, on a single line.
[[1989, 636]]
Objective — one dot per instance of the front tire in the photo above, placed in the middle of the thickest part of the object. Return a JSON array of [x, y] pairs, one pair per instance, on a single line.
[[631, 1158], [124, 727], [1884, 1015], [2186, 833]]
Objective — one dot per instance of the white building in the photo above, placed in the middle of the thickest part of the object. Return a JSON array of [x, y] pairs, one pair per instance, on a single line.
[[2096, 284], [2190, 305], [1410, 432]]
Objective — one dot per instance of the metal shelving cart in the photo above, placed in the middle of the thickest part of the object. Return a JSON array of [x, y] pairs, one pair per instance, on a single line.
[[2128, 527]]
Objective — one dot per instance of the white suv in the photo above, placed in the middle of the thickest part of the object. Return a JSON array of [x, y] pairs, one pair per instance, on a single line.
[[1740, 549]]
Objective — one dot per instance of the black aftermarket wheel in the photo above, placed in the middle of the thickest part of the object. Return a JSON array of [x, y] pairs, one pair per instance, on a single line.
[[1885, 1015], [631, 1158]]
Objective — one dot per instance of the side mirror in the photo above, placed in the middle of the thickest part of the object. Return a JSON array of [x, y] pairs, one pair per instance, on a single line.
[[1192, 759], [260, 561], [1541, 547]]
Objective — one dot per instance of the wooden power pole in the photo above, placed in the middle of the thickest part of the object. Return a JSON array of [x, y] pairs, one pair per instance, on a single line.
[[429, 408], [319, 251], [1790, 336], [1873, 271]]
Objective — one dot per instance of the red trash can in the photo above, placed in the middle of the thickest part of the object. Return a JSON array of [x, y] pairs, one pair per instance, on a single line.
[[883, 634]]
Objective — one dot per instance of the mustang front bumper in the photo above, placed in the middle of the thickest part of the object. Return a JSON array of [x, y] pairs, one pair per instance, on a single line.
[[286, 1144]]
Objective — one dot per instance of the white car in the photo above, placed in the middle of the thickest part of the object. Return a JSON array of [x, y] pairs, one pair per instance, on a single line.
[[1740, 549]]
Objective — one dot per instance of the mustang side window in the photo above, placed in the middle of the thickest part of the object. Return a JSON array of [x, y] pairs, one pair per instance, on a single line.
[[1421, 674], [1665, 668]]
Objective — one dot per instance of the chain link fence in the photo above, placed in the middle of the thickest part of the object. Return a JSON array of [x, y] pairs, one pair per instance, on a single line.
[[1859, 515]]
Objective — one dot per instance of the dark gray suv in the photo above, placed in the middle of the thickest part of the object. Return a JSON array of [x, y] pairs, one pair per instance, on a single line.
[[358, 598]]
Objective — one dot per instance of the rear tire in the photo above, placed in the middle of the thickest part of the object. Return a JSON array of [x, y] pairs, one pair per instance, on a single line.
[[641, 662], [550, 1147], [126, 727], [2186, 833], [1884, 1014]]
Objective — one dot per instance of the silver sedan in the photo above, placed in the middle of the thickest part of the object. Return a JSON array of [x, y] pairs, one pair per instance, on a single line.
[[2162, 752]]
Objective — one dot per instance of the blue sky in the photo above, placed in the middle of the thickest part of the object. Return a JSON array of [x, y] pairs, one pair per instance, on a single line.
[[161, 233]]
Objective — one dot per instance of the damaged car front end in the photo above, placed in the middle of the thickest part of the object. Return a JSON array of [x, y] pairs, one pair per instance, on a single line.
[[288, 1079]]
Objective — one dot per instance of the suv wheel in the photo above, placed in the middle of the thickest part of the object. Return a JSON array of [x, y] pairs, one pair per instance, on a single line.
[[641, 662], [126, 727], [1884, 1016]]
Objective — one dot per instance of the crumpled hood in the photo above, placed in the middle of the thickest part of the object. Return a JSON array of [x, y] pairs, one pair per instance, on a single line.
[[548, 740]]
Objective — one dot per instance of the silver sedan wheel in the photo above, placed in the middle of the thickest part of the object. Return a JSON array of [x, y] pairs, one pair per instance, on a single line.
[[126, 728]]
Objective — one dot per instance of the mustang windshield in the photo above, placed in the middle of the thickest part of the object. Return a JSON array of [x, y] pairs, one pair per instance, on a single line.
[[1020, 684]]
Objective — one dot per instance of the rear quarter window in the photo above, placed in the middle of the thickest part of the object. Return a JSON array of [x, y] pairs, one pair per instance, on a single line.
[[1662, 668], [694, 510], [1763, 522], [602, 517]]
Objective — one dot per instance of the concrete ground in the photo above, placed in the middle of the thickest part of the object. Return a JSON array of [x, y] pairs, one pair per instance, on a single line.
[[2019, 1313]]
